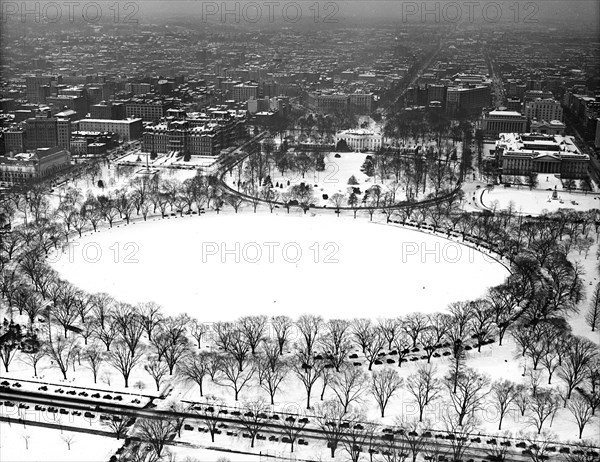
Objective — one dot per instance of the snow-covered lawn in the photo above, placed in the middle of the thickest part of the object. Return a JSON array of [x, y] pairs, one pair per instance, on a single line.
[[221, 267], [534, 202], [339, 167], [49, 445]]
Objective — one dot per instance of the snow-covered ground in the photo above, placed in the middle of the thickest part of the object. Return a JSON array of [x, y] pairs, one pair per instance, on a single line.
[[221, 267], [537, 201], [339, 167], [50, 445]]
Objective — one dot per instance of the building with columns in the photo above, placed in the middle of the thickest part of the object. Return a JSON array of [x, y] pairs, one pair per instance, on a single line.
[[360, 139], [496, 122], [526, 153]]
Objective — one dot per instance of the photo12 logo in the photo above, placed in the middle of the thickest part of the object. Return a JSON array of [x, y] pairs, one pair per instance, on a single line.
[[48, 12], [268, 252], [471, 12], [255, 12]]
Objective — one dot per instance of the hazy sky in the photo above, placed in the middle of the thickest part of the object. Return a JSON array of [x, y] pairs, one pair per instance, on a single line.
[[566, 11], [569, 13]]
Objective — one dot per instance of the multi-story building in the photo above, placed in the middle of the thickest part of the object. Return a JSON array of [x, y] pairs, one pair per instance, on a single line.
[[361, 103], [328, 102], [40, 132], [469, 100], [149, 110], [436, 93], [532, 95], [179, 137], [496, 122], [127, 130], [244, 91], [258, 105], [554, 127], [138, 88], [514, 104], [14, 140], [526, 153], [544, 109], [75, 103], [360, 139], [85, 143], [198, 135], [38, 87], [30, 167], [108, 110], [63, 133]]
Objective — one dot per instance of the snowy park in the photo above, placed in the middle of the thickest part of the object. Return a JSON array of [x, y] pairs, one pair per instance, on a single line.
[[277, 263]]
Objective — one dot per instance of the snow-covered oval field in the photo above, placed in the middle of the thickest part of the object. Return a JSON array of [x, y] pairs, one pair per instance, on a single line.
[[221, 267]]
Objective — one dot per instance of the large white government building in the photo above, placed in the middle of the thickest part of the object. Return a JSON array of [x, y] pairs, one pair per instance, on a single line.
[[360, 139], [526, 153]]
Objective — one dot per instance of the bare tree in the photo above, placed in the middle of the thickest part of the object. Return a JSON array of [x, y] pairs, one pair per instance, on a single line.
[[292, 428], [93, 357], [156, 369], [363, 332], [504, 393], [195, 367], [209, 414], [402, 344], [123, 360], [310, 328], [330, 417], [389, 328], [254, 417], [335, 335], [118, 425], [543, 405], [106, 332], [413, 435], [572, 369], [308, 370], [462, 432], [470, 392], [424, 386], [61, 350], [129, 325], [232, 376], [538, 446], [33, 357], [482, 321], [384, 384], [271, 373], [581, 410], [253, 329], [150, 316], [198, 331], [413, 325], [373, 347], [522, 399], [26, 437], [349, 385], [433, 334], [156, 433], [282, 325], [356, 436], [592, 317], [69, 439]]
